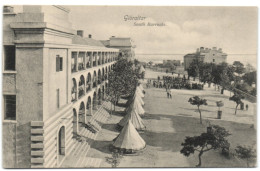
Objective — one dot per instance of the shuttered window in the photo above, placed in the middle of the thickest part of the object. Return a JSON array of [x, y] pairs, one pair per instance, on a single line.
[[10, 107], [61, 63], [57, 63], [9, 58]]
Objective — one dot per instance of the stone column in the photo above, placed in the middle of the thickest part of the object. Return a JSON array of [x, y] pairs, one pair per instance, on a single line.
[[84, 61], [77, 62], [95, 54], [105, 58], [91, 59]]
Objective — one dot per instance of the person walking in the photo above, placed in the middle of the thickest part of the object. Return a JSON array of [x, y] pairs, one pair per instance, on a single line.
[[246, 106], [170, 93], [167, 94]]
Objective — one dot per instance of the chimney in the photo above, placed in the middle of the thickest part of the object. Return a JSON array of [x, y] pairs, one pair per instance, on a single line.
[[90, 36], [80, 33]]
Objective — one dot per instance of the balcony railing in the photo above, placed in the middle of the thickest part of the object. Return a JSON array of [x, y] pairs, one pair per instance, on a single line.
[[94, 84], [100, 100], [73, 94], [88, 112], [88, 64], [88, 88], [99, 81], [81, 91], [73, 68], [80, 66], [95, 105]]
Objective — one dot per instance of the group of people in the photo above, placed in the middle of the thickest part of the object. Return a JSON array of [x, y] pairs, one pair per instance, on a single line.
[[171, 82]]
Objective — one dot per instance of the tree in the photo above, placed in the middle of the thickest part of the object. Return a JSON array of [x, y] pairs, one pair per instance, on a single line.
[[245, 153], [115, 159], [193, 69], [213, 140], [238, 67], [244, 87], [224, 81], [215, 74], [198, 102], [222, 74], [249, 68], [253, 92], [250, 77], [170, 65], [122, 81], [237, 99], [205, 73], [136, 62], [225, 75]]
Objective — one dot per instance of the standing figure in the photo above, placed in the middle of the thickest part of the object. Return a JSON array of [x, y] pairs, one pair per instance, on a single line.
[[170, 93]]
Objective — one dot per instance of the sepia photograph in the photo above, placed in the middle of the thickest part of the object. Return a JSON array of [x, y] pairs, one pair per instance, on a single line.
[[110, 86]]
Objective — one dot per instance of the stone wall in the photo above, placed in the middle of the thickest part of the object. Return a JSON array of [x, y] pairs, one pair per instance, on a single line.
[[9, 144]]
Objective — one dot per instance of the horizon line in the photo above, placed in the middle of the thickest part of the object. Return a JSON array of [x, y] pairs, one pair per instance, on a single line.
[[187, 53]]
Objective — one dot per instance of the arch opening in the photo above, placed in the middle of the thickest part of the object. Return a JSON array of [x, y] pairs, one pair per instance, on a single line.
[[74, 90], [81, 86]]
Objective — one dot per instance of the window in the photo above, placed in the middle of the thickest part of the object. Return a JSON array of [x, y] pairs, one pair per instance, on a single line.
[[59, 63], [58, 98], [10, 107], [213, 60], [62, 141], [9, 58]]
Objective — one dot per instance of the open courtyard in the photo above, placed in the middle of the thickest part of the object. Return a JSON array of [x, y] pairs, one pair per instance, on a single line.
[[169, 121]]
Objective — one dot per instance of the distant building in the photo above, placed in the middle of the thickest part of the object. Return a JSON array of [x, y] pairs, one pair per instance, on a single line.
[[124, 44], [206, 55]]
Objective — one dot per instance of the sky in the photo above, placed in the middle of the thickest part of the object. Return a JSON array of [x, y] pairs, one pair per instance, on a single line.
[[234, 29]]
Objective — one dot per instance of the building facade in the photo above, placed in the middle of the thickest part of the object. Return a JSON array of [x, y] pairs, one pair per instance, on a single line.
[[124, 44], [53, 83], [206, 55]]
